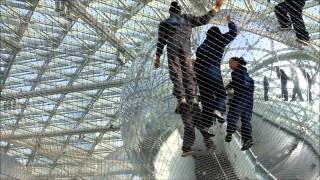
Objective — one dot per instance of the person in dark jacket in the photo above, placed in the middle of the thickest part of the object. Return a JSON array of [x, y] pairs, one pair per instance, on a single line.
[[284, 81], [266, 88], [208, 73], [242, 102], [296, 86], [175, 32], [309, 81], [289, 13]]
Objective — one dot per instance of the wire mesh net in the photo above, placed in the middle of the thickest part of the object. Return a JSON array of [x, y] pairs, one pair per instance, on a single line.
[[235, 89]]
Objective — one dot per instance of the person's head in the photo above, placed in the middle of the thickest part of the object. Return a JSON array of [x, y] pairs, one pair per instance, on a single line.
[[175, 8], [213, 32], [235, 62]]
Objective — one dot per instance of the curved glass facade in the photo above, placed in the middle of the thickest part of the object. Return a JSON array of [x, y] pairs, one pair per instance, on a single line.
[[80, 97]]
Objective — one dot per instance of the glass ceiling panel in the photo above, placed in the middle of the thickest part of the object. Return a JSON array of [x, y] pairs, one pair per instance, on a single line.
[[58, 81]]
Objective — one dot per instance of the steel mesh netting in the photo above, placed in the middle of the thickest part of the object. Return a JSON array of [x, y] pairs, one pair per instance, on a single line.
[[80, 98]]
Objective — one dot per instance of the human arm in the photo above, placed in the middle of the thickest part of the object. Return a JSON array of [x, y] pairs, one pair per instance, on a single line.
[[203, 20], [237, 78], [162, 41], [162, 38], [233, 31]]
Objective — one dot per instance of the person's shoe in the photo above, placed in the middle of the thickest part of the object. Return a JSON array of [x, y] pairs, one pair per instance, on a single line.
[[209, 144], [228, 137], [186, 153], [195, 105], [303, 41], [230, 92], [207, 132], [247, 144], [181, 104], [293, 100], [220, 116]]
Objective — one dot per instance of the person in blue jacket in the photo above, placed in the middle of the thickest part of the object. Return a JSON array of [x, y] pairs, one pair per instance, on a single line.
[[242, 102], [208, 74], [284, 81]]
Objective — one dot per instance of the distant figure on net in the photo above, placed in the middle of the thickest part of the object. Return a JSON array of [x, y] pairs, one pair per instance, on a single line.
[[208, 74], [242, 102], [296, 86], [265, 88], [175, 32], [284, 81], [309, 81], [289, 13]]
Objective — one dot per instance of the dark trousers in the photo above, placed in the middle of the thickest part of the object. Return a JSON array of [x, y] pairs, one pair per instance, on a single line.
[[296, 90], [309, 94], [290, 13], [212, 93], [266, 98], [181, 70], [240, 107], [190, 122], [284, 92]]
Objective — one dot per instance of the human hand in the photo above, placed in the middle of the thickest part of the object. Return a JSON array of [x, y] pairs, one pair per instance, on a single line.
[[218, 4], [229, 19]]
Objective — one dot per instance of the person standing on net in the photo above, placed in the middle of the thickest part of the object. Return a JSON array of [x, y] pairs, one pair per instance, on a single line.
[[284, 81], [175, 32], [242, 102], [296, 86], [265, 88], [309, 81], [289, 13], [208, 73]]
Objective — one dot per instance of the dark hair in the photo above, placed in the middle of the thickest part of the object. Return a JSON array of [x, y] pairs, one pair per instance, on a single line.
[[175, 8], [213, 32], [240, 60]]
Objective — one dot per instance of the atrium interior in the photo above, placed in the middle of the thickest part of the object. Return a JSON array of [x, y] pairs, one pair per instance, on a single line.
[[81, 99]]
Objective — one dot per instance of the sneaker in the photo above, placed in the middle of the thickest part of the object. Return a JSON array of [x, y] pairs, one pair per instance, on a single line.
[[230, 92], [207, 133], [220, 116], [186, 153], [246, 145], [209, 145], [228, 137], [181, 103], [195, 105], [303, 41]]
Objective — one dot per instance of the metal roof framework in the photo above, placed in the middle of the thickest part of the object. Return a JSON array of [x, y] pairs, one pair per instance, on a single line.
[[61, 79]]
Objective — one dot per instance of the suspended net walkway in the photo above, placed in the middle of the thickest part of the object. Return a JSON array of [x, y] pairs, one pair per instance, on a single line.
[[81, 98]]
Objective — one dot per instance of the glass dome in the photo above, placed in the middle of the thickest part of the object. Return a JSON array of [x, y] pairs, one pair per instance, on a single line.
[[80, 97]]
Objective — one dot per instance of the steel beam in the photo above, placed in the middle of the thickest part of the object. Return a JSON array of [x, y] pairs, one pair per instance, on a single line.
[[97, 26], [281, 57], [22, 29], [105, 32], [65, 90], [58, 133], [86, 173], [132, 12], [15, 46]]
